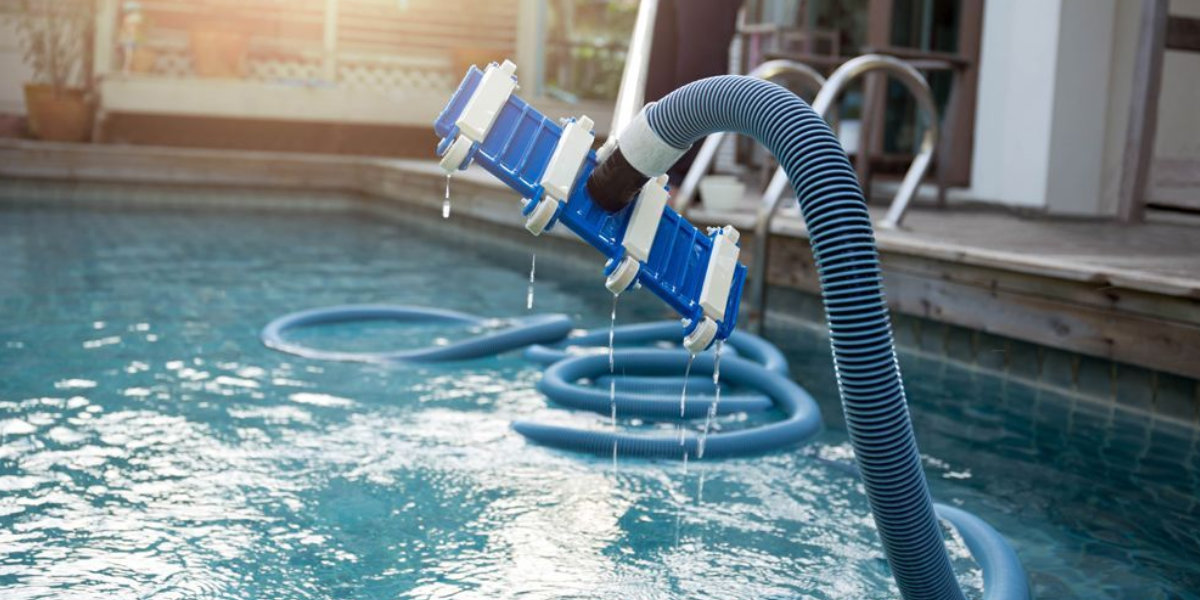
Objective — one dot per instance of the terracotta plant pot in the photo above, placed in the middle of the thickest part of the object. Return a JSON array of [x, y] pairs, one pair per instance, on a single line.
[[62, 117], [219, 53]]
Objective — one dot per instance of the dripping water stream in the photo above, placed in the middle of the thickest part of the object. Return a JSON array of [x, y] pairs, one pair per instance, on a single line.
[[532, 274], [687, 373], [716, 403], [682, 498], [612, 380]]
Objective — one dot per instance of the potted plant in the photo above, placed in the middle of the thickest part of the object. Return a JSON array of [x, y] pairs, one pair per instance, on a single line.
[[56, 39]]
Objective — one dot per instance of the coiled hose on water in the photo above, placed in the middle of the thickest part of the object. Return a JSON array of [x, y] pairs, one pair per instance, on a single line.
[[803, 416], [843, 244], [654, 394]]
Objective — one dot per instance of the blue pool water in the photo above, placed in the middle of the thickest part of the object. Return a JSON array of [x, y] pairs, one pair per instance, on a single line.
[[152, 447]]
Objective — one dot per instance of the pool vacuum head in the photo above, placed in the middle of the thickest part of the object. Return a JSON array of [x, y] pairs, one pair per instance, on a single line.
[[647, 243]]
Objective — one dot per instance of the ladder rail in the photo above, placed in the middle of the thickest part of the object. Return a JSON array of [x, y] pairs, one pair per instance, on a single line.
[[631, 95], [823, 104], [771, 69]]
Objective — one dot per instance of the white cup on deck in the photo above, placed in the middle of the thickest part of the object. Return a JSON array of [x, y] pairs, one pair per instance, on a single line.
[[721, 193]]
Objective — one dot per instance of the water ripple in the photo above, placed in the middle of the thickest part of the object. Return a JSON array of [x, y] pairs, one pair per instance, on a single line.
[[164, 453]]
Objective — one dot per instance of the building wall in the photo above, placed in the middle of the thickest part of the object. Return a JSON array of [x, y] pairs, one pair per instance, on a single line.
[[1040, 133], [13, 71], [1125, 32], [1080, 111], [1178, 133], [1054, 91], [1016, 99], [1179, 108]]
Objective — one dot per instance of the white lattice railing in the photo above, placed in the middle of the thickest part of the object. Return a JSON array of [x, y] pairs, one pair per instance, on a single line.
[[356, 61], [357, 44], [383, 73], [173, 59]]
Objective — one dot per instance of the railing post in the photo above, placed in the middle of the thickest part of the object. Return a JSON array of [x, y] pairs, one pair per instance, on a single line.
[[531, 36], [1143, 112], [329, 55], [632, 94], [104, 39], [824, 105], [708, 151]]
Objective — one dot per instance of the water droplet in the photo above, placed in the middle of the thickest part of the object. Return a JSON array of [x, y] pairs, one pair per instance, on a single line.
[[612, 380], [532, 274], [682, 499], [446, 201], [612, 401], [612, 332], [687, 373], [712, 409]]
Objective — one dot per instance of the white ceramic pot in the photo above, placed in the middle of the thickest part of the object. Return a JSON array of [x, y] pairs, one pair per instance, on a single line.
[[721, 193]]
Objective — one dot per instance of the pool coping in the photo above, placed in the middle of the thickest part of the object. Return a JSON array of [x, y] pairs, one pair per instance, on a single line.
[[1103, 332]]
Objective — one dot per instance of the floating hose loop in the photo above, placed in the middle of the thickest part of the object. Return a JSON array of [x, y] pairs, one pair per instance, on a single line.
[[803, 416], [1003, 576], [558, 384], [520, 333], [847, 261], [653, 395]]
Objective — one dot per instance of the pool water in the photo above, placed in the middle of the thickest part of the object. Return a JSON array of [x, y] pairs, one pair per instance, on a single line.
[[152, 447]]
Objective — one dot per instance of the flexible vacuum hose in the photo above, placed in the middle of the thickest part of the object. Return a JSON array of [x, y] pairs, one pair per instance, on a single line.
[[802, 415], [843, 244]]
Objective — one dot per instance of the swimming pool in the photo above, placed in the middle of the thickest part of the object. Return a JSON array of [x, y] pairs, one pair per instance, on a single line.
[[153, 447]]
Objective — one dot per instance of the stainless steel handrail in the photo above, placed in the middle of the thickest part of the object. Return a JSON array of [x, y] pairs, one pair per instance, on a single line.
[[708, 150], [632, 93], [822, 104]]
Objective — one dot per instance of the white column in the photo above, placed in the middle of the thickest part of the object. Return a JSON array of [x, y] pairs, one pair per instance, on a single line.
[[1041, 120], [1076, 175], [1014, 112], [632, 93], [104, 40], [531, 33]]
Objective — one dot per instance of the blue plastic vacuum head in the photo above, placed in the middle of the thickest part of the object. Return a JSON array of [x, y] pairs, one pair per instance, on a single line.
[[647, 243]]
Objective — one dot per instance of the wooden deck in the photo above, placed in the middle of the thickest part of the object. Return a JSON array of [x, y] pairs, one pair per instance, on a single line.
[[1127, 293]]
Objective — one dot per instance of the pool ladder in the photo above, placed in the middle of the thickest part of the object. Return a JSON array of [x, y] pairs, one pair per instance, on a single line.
[[829, 91]]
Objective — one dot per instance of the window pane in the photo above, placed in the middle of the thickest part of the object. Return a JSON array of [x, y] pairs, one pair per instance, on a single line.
[[926, 24], [929, 25], [586, 41]]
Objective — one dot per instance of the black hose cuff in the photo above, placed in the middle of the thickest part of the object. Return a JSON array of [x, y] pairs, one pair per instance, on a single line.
[[614, 182]]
